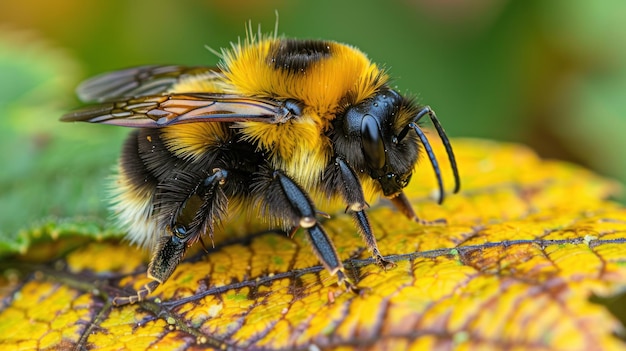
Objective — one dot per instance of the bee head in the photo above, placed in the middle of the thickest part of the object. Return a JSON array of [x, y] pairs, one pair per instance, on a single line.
[[372, 136]]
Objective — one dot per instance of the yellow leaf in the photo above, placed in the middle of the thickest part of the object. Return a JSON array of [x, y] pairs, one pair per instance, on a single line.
[[524, 247]]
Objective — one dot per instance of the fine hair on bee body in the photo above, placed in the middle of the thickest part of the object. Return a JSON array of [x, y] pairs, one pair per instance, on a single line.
[[279, 126]]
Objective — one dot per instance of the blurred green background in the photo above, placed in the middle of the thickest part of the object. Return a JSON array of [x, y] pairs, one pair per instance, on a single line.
[[550, 74]]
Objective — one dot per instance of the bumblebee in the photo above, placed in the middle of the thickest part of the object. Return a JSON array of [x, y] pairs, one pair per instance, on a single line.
[[279, 125]]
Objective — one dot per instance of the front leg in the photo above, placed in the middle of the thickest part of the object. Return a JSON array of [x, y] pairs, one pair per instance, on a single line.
[[341, 178], [404, 206]]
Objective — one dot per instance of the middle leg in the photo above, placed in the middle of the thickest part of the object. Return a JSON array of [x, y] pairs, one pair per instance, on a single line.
[[282, 200]]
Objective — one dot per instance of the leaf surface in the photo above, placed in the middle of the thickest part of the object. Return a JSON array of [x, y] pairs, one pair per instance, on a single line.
[[525, 246]]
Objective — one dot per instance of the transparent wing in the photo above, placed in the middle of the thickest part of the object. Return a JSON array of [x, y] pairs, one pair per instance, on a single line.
[[163, 110], [138, 81]]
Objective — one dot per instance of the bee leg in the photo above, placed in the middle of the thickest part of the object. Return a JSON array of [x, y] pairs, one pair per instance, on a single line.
[[139, 296], [404, 206], [171, 248], [344, 179], [286, 200], [368, 236]]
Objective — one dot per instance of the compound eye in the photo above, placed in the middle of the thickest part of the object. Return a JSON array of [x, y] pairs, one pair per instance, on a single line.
[[372, 142]]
